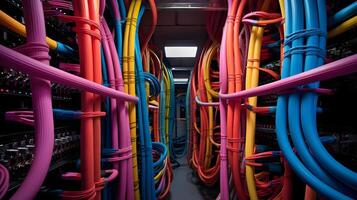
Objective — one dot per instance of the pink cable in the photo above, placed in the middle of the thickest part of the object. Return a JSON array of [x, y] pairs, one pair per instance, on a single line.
[[338, 68], [41, 102], [17, 61]]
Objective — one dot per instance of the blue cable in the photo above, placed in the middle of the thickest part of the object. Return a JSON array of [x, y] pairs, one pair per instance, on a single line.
[[294, 99], [119, 40], [171, 114], [106, 120], [142, 156], [154, 83], [159, 146], [149, 176], [343, 14], [159, 164], [309, 103], [282, 127], [66, 114], [188, 110], [65, 49], [179, 146], [122, 10], [106, 123]]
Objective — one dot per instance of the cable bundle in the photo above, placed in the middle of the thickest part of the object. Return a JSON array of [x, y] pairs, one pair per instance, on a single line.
[[231, 127], [305, 39], [179, 143], [304, 45], [205, 125]]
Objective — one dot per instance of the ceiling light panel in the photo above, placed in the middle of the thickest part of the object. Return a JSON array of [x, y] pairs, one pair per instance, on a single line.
[[181, 51]]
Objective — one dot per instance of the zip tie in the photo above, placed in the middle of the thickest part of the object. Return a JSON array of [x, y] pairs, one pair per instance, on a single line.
[[92, 114], [31, 48], [99, 185], [79, 195], [305, 49], [83, 20], [302, 34]]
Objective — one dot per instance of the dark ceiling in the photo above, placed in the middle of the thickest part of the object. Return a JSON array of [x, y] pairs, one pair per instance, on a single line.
[[180, 23]]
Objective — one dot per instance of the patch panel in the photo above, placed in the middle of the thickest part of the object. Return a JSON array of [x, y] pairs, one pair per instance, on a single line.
[[16, 150]]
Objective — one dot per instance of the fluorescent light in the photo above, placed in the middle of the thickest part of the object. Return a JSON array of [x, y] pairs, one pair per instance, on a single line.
[[180, 80], [181, 52], [181, 68]]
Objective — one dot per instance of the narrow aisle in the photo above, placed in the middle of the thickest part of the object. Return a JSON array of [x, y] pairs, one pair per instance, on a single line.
[[186, 186]]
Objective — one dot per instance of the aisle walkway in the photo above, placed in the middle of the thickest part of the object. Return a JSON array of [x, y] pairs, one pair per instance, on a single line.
[[186, 185]]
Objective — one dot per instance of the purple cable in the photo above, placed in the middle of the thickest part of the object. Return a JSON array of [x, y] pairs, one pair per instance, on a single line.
[[37, 48], [115, 8], [338, 68], [17, 61]]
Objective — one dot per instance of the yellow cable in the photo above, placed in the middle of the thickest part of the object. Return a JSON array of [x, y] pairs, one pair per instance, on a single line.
[[252, 80], [146, 56], [129, 80], [126, 50], [165, 76], [154, 102], [17, 27], [345, 26], [249, 142], [206, 63], [282, 10]]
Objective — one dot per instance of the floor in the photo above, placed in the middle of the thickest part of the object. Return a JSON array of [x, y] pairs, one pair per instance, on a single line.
[[186, 186]]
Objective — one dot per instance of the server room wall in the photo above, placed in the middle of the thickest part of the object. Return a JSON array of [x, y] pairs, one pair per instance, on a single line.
[[175, 99]]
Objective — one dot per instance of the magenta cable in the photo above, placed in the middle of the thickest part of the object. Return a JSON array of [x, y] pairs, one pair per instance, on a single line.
[[338, 68], [224, 195], [76, 176], [113, 175], [125, 180], [69, 67], [126, 183], [101, 8], [41, 102], [321, 91], [4, 181], [113, 102], [23, 63], [24, 117]]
